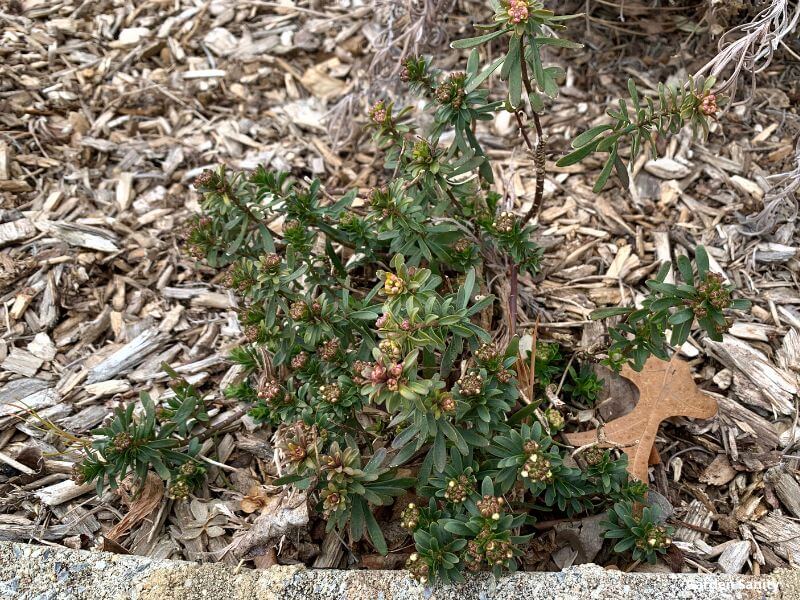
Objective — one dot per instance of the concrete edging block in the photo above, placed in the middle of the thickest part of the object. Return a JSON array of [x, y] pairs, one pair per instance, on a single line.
[[30, 572]]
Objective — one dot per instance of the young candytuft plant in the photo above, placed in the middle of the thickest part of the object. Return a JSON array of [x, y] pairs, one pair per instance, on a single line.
[[638, 531], [134, 444], [375, 350], [583, 384]]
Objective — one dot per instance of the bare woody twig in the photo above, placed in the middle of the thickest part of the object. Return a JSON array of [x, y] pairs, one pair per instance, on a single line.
[[537, 152], [539, 161]]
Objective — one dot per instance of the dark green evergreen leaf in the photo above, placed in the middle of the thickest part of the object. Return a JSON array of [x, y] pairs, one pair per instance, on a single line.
[[375, 535], [477, 41], [589, 135], [577, 155]]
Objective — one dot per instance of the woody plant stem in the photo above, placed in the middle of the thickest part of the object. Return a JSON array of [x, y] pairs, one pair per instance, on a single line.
[[537, 154]]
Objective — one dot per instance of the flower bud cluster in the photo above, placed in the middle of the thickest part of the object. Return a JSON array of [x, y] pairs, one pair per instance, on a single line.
[[409, 518], [451, 91], [518, 11], [537, 466], [505, 222], [271, 262], [333, 499], [470, 385], [656, 538], [329, 350], [418, 569], [391, 349], [379, 113], [458, 490], [270, 391], [491, 507], [446, 403], [299, 360], [555, 419], [122, 441], [708, 105], [487, 549], [486, 352], [331, 392], [393, 285], [377, 373]]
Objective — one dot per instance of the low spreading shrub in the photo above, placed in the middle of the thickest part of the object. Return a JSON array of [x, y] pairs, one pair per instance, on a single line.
[[376, 351]]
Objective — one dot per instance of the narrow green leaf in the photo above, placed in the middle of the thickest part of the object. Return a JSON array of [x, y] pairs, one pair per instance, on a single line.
[[633, 92], [453, 435], [685, 268], [559, 42], [680, 332], [538, 67], [439, 452], [577, 155], [549, 84], [473, 62], [623, 107], [681, 316], [513, 71], [477, 41], [741, 304], [357, 519], [515, 87], [474, 439], [465, 293], [457, 528], [588, 135], [403, 456], [622, 172], [604, 174], [611, 311], [663, 271], [537, 104], [609, 142], [479, 78], [375, 535], [287, 479], [364, 315], [701, 258]]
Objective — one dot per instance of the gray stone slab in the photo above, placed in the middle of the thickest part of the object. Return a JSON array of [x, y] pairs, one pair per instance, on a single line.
[[55, 573]]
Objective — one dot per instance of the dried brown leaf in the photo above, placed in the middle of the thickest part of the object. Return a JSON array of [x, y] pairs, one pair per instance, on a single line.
[[666, 389]]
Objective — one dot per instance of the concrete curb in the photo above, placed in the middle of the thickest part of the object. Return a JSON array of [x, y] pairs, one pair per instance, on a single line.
[[54, 573]]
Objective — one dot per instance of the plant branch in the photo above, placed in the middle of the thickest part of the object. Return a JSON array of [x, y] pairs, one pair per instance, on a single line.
[[538, 150], [454, 202], [512, 298], [231, 196], [460, 211]]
